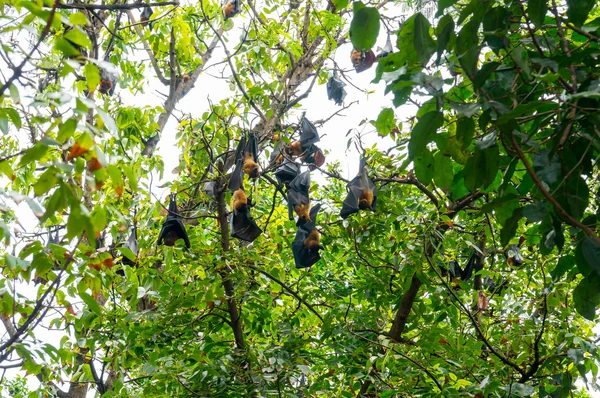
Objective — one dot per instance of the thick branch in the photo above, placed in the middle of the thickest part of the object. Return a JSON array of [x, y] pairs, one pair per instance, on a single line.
[[405, 307], [540, 186], [113, 7]]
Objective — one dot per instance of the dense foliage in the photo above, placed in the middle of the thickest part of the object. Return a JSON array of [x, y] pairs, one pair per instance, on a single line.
[[500, 158]]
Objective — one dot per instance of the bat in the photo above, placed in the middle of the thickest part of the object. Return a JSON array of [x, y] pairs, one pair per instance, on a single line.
[[513, 256], [108, 82], [362, 193], [131, 244], [495, 287], [307, 243], [308, 136], [173, 229], [241, 225], [251, 157], [335, 89], [231, 8], [209, 187], [286, 172], [314, 157], [457, 272], [362, 60], [298, 200], [145, 17], [387, 49]]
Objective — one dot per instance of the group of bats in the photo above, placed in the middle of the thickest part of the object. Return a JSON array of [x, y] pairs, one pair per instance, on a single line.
[[362, 194]]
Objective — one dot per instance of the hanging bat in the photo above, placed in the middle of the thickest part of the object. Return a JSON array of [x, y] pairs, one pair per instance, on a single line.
[[495, 287], [173, 229], [145, 17], [456, 272], [513, 256], [298, 200], [231, 8], [314, 157], [307, 243], [132, 244], [209, 187], [308, 136], [362, 193], [251, 157], [387, 49], [286, 172], [335, 89], [108, 82], [362, 60], [241, 225]]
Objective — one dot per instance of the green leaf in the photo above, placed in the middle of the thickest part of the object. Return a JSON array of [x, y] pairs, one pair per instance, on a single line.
[[442, 5], [536, 211], [519, 389], [386, 121], [465, 129], [364, 27], [423, 133], [78, 37], [66, 130], [424, 44], [578, 10], [33, 154], [547, 166], [481, 168], [340, 4], [537, 11], [424, 168], [591, 254], [92, 75], [586, 296], [91, 303], [444, 32], [46, 182], [510, 227], [565, 264], [494, 28], [468, 47], [443, 175]]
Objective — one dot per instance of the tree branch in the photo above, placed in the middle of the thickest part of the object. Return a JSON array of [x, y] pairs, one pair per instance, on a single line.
[[113, 7]]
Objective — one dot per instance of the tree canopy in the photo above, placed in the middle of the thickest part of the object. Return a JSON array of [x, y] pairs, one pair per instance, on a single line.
[[472, 269]]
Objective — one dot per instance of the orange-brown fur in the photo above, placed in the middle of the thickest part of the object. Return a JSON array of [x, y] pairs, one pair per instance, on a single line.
[[250, 166], [295, 148], [365, 200], [229, 10], [105, 86], [240, 200], [313, 241], [302, 210], [356, 58]]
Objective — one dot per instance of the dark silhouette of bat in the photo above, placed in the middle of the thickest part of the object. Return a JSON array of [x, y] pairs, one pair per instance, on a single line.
[[308, 136], [173, 229], [456, 271], [495, 287], [307, 243], [298, 200], [513, 256], [231, 8], [362, 60], [246, 157], [241, 225], [335, 89], [362, 193], [387, 49], [132, 244], [145, 17], [286, 172]]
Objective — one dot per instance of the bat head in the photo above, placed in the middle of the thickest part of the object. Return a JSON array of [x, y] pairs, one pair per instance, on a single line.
[[170, 237], [105, 86], [513, 256]]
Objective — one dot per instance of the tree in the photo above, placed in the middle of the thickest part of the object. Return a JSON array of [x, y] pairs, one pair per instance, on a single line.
[[424, 297]]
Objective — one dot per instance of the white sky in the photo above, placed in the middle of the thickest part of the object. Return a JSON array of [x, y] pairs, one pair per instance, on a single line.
[[317, 106]]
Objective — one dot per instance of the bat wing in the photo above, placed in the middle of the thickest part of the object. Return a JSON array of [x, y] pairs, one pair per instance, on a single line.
[[335, 90], [466, 274], [296, 198], [209, 188], [286, 173], [237, 177], [243, 227], [303, 257], [147, 12], [131, 244], [308, 134], [239, 151], [301, 183], [176, 226], [314, 156], [252, 146], [350, 205], [454, 269]]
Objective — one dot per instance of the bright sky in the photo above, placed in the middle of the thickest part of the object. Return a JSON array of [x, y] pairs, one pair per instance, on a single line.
[[334, 134]]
